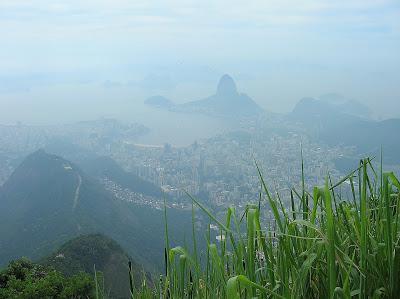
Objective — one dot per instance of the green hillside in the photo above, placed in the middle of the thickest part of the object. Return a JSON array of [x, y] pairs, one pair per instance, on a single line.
[[340, 240], [24, 279], [49, 200], [84, 252], [37, 202]]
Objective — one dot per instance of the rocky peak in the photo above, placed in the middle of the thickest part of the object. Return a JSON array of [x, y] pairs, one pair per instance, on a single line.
[[226, 86]]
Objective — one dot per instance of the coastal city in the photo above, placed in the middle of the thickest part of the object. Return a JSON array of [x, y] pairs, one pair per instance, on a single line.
[[221, 170]]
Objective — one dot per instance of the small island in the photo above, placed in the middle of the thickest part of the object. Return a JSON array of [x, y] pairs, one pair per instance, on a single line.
[[159, 102]]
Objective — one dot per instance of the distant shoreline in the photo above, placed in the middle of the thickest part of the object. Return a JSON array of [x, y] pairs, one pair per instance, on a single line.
[[147, 145]]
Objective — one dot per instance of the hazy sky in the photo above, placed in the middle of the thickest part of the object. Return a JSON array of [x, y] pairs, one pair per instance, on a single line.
[[277, 51]]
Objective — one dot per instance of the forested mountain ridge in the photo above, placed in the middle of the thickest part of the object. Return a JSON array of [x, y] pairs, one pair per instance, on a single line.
[[49, 200], [88, 252]]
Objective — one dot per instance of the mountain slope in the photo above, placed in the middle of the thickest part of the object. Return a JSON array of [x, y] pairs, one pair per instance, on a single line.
[[85, 252], [334, 121], [49, 200], [368, 137], [318, 115], [105, 167], [41, 189], [347, 106]]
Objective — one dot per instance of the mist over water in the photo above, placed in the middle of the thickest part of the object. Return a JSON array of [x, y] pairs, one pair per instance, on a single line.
[[176, 128], [63, 104]]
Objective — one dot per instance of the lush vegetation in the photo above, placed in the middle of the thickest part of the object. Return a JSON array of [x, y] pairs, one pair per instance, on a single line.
[[340, 240], [24, 279], [37, 214], [337, 241], [81, 254]]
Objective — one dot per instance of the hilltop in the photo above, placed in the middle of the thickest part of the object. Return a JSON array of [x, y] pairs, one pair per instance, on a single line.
[[81, 254]]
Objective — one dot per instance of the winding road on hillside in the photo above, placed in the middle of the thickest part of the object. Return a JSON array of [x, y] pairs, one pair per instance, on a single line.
[[77, 191]]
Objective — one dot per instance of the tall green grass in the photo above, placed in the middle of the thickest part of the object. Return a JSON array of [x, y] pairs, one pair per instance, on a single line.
[[328, 244]]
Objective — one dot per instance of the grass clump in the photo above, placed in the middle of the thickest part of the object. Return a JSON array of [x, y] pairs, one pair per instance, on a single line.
[[326, 245]]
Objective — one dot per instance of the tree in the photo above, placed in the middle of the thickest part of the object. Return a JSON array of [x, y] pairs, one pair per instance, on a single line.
[[24, 279]]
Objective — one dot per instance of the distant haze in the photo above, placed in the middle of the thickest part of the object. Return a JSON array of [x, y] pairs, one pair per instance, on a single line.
[[63, 61]]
